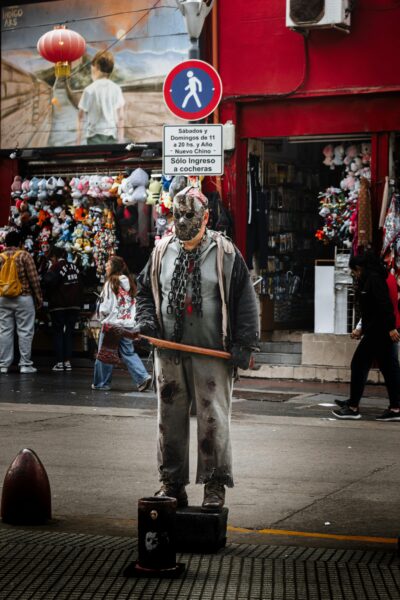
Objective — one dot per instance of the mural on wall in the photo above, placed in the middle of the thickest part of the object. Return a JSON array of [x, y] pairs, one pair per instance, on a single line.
[[114, 92]]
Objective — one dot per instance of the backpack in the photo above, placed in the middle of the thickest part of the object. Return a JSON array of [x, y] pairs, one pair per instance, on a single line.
[[10, 284]]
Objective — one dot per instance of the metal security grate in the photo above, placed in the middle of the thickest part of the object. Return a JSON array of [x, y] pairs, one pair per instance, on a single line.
[[45, 566]]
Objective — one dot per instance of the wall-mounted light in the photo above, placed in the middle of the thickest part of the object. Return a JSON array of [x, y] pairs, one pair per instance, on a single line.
[[195, 13], [131, 146]]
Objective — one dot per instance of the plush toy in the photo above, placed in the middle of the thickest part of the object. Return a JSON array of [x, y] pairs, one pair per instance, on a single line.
[[25, 188], [328, 154], [351, 153], [154, 191], [43, 216], [126, 192], [105, 185], [338, 155], [365, 153], [33, 187], [138, 180], [16, 187], [42, 190], [51, 185]]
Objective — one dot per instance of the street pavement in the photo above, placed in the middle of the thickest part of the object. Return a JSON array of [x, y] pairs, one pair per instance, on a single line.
[[314, 512]]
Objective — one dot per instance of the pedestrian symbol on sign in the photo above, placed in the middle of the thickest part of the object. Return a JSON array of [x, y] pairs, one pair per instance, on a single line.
[[192, 90], [193, 86]]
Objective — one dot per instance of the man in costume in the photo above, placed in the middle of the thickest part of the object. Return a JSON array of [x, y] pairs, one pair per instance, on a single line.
[[196, 290]]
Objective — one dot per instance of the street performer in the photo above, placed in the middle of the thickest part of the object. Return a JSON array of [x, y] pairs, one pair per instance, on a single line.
[[196, 290]]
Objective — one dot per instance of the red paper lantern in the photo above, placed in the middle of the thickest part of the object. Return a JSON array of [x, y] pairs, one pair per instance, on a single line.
[[61, 46]]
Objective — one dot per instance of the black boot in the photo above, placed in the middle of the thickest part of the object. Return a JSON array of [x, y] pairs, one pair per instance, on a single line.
[[173, 491], [214, 497]]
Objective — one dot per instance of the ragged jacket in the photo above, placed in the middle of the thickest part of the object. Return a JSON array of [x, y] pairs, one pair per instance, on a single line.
[[240, 321]]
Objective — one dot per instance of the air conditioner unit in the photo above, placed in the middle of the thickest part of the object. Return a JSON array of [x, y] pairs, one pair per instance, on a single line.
[[313, 14]]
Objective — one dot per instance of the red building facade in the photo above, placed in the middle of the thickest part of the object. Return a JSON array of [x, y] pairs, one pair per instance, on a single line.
[[280, 83]]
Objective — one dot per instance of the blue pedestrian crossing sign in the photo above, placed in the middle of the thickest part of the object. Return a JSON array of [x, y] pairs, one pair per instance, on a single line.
[[192, 90]]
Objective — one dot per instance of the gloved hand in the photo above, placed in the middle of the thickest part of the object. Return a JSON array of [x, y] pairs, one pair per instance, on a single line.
[[147, 328], [241, 357]]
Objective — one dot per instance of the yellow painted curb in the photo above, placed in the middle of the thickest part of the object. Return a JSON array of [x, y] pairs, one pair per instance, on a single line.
[[306, 534]]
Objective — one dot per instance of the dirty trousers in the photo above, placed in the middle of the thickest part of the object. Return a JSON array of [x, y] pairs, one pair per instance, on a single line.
[[207, 382]]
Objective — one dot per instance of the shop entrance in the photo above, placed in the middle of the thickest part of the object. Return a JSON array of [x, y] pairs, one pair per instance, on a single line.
[[292, 224]]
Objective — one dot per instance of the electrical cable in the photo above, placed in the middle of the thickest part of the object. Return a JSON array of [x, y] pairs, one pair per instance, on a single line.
[[68, 21], [140, 37]]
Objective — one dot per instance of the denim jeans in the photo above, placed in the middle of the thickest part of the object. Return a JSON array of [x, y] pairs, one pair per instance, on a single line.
[[103, 372]]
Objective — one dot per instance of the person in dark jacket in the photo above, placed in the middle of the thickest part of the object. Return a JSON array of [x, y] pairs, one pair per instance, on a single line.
[[63, 289], [196, 290], [379, 334]]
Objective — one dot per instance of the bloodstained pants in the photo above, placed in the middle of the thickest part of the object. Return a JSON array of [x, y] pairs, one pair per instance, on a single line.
[[207, 382]]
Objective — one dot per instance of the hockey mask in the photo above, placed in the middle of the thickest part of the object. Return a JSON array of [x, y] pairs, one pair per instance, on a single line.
[[189, 207]]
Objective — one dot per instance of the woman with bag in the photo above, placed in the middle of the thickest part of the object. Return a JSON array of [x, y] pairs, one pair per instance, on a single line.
[[117, 309]]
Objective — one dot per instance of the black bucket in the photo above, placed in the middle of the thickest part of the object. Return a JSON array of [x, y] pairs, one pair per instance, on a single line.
[[157, 546]]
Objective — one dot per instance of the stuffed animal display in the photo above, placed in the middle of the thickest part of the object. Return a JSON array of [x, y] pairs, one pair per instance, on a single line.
[[89, 215], [340, 207]]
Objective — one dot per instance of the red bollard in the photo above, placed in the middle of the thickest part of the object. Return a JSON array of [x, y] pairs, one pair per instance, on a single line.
[[26, 497]]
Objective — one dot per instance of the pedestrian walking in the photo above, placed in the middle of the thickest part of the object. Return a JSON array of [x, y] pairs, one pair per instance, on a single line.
[[20, 295], [63, 289], [117, 308], [196, 290], [379, 337]]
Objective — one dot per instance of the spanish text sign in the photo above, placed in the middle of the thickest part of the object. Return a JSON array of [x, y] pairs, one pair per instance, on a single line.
[[193, 150]]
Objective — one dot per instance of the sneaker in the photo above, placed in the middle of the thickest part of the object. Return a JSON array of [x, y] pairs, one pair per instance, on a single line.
[[4, 370], [145, 385], [27, 369], [104, 388], [342, 403], [173, 491], [346, 413], [67, 366], [389, 415], [58, 367], [214, 497]]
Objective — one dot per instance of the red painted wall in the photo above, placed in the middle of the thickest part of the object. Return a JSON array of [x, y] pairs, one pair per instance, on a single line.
[[342, 83], [8, 170], [258, 54]]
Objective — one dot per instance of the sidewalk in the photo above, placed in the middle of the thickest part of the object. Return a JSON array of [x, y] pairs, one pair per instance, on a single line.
[[46, 566]]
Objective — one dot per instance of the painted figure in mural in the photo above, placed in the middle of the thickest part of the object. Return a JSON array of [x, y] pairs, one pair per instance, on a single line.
[[196, 290], [101, 105]]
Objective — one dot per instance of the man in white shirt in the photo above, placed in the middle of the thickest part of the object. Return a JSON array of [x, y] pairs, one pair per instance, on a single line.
[[102, 104]]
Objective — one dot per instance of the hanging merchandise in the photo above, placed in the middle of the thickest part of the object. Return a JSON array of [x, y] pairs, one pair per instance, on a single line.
[[346, 210], [77, 215]]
